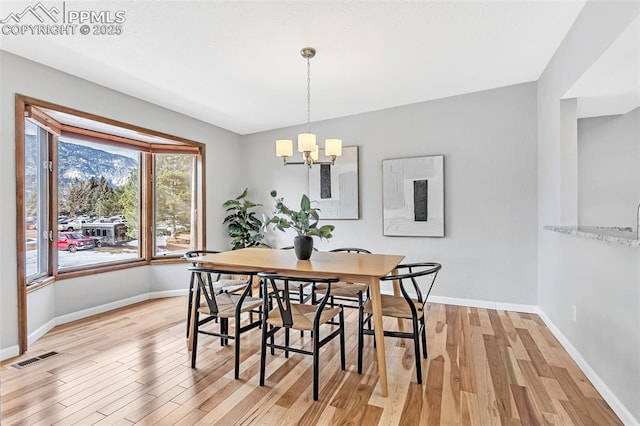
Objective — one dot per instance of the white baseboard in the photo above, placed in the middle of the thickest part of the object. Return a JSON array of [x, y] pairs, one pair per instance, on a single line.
[[167, 293], [500, 306], [115, 305], [74, 316], [10, 352], [616, 405], [41, 331]]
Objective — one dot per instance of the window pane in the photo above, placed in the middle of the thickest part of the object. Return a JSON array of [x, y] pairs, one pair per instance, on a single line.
[[174, 203], [98, 203], [36, 183]]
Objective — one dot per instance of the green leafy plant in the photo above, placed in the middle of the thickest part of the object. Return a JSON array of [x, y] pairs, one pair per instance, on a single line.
[[304, 221], [244, 227]]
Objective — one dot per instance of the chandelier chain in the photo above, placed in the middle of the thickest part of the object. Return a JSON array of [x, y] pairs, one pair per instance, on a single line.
[[307, 141], [308, 95]]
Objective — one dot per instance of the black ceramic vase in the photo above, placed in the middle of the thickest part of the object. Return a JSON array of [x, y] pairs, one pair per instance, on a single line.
[[303, 247]]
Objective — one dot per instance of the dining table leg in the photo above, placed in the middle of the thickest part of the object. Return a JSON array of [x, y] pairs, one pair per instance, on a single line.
[[376, 304]]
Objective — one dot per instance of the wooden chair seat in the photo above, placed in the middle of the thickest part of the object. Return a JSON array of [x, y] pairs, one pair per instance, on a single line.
[[302, 316], [395, 306], [227, 305], [343, 289]]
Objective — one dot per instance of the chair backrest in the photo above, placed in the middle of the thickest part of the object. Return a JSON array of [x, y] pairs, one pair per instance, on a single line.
[[203, 276], [283, 297], [417, 278], [195, 253], [350, 250]]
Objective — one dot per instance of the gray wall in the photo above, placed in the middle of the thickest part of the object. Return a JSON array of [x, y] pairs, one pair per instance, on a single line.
[[603, 281], [609, 170], [489, 143], [22, 76]]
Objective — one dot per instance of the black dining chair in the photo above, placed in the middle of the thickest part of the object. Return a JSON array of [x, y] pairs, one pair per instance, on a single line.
[[231, 285], [416, 281], [351, 295], [188, 255], [289, 315], [222, 305]]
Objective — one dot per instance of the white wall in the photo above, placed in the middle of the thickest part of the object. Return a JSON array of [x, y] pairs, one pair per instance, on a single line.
[[601, 280], [25, 77], [609, 170], [489, 143]]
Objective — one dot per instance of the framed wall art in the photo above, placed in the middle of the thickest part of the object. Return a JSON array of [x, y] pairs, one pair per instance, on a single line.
[[335, 188], [413, 196]]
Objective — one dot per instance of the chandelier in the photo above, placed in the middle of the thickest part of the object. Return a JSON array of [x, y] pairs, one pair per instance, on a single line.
[[307, 141]]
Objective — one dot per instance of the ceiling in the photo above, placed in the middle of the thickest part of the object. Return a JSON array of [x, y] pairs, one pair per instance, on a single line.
[[237, 64], [611, 86]]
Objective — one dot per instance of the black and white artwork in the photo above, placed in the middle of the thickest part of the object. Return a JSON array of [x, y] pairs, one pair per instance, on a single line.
[[335, 188], [413, 196]]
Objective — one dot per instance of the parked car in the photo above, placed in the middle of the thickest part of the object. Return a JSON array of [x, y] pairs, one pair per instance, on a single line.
[[73, 241], [70, 225], [119, 218]]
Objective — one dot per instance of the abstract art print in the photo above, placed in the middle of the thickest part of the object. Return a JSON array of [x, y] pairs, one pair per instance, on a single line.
[[335, 188], [413, 196]]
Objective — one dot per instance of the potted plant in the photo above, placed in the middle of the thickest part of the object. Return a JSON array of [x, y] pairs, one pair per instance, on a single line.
[[303, 221], [244, 227]]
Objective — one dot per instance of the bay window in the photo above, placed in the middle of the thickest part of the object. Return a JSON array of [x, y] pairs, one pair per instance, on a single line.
[[98, 195]]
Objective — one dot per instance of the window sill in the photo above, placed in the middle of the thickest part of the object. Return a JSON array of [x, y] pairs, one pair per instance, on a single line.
[[98, 270], [167, 260], [40, 284]]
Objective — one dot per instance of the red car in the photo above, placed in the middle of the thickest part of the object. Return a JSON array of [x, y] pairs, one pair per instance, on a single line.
[[73, 241]]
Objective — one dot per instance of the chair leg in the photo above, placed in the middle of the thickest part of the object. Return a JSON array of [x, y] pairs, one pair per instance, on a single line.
[[286, 342], [374, 336], [194, 347], [316, 362], [236, 333], [263, 353], [360, 334], [271, 338], [342, 357], [189, 302], [416, 343], [301, 299], [424, 338], [224, 325]]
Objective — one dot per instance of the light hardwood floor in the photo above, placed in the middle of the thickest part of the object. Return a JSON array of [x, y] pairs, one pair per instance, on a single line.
[[131, 366]]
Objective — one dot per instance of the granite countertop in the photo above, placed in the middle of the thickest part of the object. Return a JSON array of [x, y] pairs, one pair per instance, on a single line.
[[622, 236]]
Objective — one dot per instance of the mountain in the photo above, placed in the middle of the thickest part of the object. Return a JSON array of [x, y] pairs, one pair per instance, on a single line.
[[81, 162]]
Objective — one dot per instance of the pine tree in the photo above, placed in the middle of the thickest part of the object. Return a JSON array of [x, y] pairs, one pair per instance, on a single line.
[[128, 197], [78, 200], [173, 190]]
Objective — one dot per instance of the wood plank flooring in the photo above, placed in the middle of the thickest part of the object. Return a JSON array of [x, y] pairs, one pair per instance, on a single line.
[[131, 366]]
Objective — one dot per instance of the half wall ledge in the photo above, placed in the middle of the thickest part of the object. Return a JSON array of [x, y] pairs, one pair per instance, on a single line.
[[620, 236]]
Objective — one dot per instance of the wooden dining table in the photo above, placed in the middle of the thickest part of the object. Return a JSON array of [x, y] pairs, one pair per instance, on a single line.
[[349, 267]]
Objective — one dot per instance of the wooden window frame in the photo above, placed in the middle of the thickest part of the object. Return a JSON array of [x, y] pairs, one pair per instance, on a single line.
[[31, 108]]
